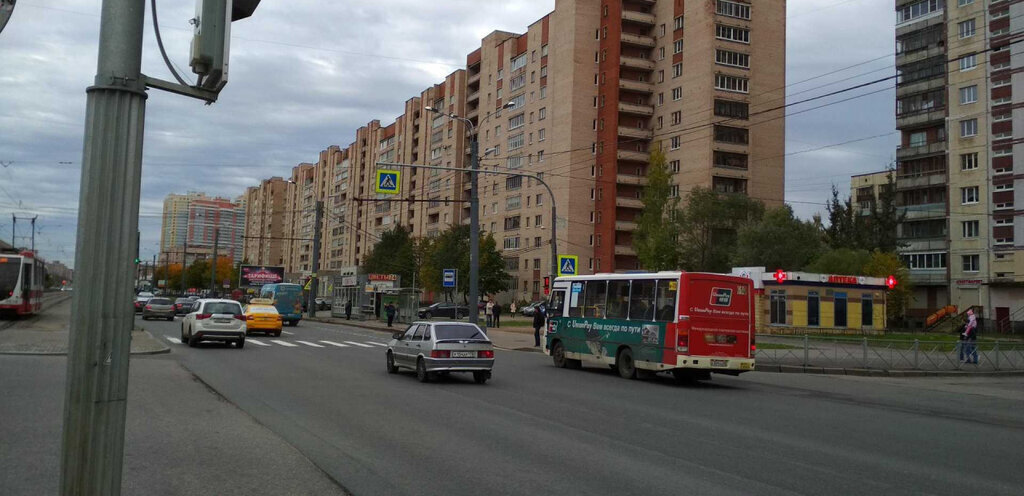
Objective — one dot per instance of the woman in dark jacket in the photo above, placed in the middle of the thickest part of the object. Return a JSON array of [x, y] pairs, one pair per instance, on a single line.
[[538, 322]]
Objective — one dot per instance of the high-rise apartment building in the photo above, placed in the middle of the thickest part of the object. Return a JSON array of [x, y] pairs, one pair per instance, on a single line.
[[200, 222], [955, 109], [265, 229], [579, 100], [866, 190]]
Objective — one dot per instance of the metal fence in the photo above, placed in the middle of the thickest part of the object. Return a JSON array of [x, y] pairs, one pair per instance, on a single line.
[[889, 354]]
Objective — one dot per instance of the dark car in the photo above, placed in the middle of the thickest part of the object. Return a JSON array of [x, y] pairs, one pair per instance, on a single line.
[[529, 310], [182, 305], [443, 309], [323, 304]]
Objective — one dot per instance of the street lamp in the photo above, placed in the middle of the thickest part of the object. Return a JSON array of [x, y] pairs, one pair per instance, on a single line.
[[474, 209]]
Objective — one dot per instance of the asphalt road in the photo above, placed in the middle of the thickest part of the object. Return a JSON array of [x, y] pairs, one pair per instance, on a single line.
[[535, 429]]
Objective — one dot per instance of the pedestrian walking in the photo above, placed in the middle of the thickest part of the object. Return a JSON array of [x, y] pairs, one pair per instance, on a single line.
[[512, 308], [348, 310], [489, 312], [389, 310], [969, 340], [538, 321], [497, 314]]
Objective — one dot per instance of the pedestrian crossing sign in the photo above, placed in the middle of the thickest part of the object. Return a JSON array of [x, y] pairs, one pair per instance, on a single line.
[[388, 181], [568, 265]]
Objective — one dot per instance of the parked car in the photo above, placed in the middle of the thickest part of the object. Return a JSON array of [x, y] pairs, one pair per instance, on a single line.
[[261, 316], [432, 348], [323, 304], [529, 310], [141, 299], [443, 309], [183, 305], [214, 320], [158, 308]]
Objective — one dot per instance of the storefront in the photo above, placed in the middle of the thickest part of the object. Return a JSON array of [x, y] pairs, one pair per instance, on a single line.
[[370, 293], [801, 302]]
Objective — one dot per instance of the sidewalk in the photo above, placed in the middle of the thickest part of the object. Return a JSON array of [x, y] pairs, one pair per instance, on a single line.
[[517, 338], [47, 334]]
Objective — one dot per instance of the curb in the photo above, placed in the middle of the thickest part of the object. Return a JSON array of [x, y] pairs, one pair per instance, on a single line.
[[798, 369], [159, 351]]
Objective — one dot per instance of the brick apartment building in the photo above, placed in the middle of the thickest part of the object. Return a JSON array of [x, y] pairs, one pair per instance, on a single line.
[[199, 221]]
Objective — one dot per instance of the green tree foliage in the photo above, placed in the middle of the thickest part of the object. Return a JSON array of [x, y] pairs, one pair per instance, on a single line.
[[885, 217], [844, 261], [898, 299], [778, 241], [656, 239], [876, 230], [450, 250], [709, 225], [845, 228], [395, 253]]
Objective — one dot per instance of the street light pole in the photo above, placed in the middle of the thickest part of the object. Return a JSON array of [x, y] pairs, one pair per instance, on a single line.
[[314, 280]]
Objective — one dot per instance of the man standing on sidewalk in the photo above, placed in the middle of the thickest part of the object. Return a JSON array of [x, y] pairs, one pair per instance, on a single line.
[[389, 310], [348, 310], [497, 314], [538, 322]]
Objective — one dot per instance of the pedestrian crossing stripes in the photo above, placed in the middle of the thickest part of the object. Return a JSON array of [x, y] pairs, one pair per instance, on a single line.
[[297, 343], [332, 343], [360, 344], [174, 340], [284, 343], [289, 333], [376, 343], [253, 341], [307, 343]]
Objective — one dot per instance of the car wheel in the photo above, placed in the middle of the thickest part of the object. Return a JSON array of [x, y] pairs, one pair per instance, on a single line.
[[624, 364], [183, 339], [240, 343], [558, 355], [481, 376], [192, 340], [421, 371], [170, 319], [277, 333], [427, 315], [392, 368]]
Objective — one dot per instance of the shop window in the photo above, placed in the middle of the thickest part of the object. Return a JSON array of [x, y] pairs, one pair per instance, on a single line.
[[840, 310], [813, 309], [778, 307], [866, 311]]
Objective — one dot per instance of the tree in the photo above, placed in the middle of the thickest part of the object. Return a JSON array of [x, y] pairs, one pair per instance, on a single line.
[[395, 253], [841, 261], [656, 238], [845, 229], [450, 250], [708, 227], [778, 241], [898, 299], [885, 217]]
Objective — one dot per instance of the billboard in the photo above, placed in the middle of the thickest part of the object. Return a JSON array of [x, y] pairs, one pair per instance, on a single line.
[[258, 275]]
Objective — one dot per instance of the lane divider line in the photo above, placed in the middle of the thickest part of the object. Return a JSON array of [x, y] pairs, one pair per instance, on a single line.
[[359, 344], [307, 343], [284, 343]]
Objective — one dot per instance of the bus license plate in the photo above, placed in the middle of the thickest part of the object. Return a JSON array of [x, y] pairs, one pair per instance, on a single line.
[[463, 354], [719, 363]]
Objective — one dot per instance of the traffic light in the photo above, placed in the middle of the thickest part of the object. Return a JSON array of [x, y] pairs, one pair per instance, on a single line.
[[211, 39], [890, 282], [137, 260], [547, 284]]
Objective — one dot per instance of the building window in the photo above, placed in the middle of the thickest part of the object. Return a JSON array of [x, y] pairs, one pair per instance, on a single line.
[[970, 228], [677, 23], [518, 101], [728, 134], [542, 113], [968, 128], [513, 183], [867, 315], [733, 9], [969, 161], [924, 260], [677, 46], [677, 93], [778, 307], [731, 83], [541, 134], [734, 59], [968, 94], [918, 138], [677, 70], [675, 143], [918, 9], [813, 309], [517, 122], [518, 63], [674, 165], [968, 62], [513, 202], [511, 243], [511, 223], [729, 108], [966, 28], [677, 117], [961, 3], [730, 160], [969, 195], [971, 263], [515, 142], [732, 33]]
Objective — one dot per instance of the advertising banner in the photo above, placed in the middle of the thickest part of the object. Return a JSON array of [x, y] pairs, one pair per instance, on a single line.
[[258, 275]]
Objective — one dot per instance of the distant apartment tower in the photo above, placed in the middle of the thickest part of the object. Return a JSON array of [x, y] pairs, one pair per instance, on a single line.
[[866, 190], [265, 229], [955, 179], [195, 222]]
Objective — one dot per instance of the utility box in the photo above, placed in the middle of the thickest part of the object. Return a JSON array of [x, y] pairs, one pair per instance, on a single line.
[[211, 42]]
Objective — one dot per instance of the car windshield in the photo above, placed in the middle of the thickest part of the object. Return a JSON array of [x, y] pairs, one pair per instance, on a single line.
[[159, 301], [464, 331], [183, 300], [223, 307], [145, 295], [9, 270], [261, 309]]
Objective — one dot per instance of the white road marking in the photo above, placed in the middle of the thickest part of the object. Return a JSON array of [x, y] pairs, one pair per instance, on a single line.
[[289, 333], [359, 344], [332, 343], [174, 340], [307, 343], [378, 344], [253, 341], [284, 343]]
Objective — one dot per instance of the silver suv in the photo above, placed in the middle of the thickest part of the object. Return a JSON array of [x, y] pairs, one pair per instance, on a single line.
[[432, 348], [214, 320]]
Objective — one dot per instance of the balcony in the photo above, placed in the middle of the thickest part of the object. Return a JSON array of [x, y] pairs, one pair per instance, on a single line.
[[632, 132], [636, 109], [923, 211], [919, 55], [637, 63], [920, 181], [923, 244], [905, 153], [474, 79], [630, 179], [920, 86], [638, 40], [638, 17], [633, 155], [637, 86], [928, 277], [625, 250], [473, 96], [919, 118], [624, 202], [622, 225]]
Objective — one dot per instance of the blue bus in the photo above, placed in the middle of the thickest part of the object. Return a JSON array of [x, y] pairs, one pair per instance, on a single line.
[[287, 300]]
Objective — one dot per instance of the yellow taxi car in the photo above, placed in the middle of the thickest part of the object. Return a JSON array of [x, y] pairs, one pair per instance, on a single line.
[[261, 316]]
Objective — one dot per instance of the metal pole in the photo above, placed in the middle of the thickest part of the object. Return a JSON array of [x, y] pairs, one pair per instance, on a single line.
[[33, 249], [92, 447], [14, 227], [314, 281], [213, 262], [153, 272], [474, 227], [184, 258]]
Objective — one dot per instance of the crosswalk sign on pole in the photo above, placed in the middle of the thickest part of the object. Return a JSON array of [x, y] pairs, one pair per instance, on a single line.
[[568, 265], [388, 181]]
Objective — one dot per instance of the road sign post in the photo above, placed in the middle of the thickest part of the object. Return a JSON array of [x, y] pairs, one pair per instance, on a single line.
[[388, 181], [449, 278], [568, 265]]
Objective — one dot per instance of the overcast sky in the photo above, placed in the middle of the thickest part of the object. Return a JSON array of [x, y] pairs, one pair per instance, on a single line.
[[306, 73]]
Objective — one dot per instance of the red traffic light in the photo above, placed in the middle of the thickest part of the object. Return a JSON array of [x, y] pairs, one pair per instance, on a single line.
[[780, 276], [547, 284], [890, 282]]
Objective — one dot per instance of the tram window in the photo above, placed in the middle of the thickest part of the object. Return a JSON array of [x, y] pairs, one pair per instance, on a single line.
[[618, 299], [641, 300], [576, 299], [594, 301], [666, 300], [556, 303]]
